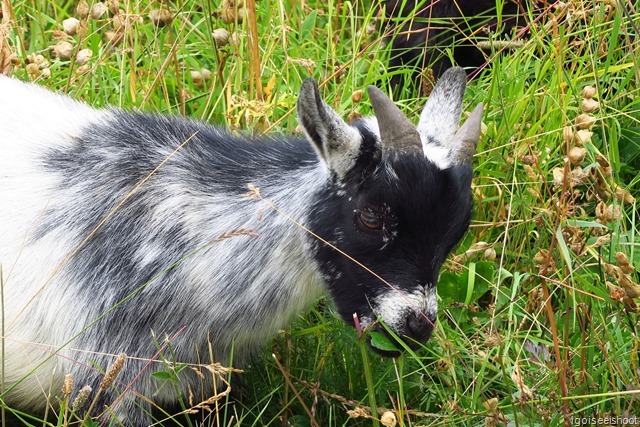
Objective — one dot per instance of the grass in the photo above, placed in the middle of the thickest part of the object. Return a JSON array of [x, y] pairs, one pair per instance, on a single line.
[[537, 322]]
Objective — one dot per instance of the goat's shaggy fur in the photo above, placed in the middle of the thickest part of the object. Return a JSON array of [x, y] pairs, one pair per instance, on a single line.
[[110, 224]]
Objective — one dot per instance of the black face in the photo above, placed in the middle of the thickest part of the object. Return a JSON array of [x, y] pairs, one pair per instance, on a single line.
[[399, 216]]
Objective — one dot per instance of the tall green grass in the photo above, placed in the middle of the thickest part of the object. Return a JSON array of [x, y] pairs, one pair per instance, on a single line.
[[536, 322]]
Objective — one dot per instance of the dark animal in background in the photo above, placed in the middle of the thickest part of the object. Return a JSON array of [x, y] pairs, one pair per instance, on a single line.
[[424, 31], [107, 220]]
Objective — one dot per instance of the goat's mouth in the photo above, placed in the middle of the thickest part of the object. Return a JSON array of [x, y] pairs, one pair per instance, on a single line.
[[389, 342]]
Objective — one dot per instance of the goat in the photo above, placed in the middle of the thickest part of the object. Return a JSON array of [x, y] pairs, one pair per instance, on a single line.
[[426, 28], [108, 218]]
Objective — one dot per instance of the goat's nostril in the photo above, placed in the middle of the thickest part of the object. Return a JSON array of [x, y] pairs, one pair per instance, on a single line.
[[419, 327]]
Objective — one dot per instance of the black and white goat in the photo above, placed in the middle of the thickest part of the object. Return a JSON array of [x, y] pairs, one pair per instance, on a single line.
[[107, 218]]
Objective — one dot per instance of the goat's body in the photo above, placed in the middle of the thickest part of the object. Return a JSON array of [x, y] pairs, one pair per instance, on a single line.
[[78, 176], [120, 229]]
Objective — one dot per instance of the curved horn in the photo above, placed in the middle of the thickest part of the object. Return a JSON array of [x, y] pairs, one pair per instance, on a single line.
[[396, 131]]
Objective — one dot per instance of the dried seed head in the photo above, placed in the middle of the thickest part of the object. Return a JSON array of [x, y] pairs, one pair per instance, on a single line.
[[603, 161], [82, 9], [578, 176], [161, 17], [623, 263], [631, 288], [624, 196], [112, 372], [585, 121], [588, 92], [567, 134], [576, 155], [70, 26], [98, 10], [67, 385], [220, 37], [81, 398], [583, 136], [63, 50], [196, 78], [33, 69], [83, 69], [118, 22], [490, 254], [388, 419], [83, 29], [114, 37], [356, 96], [114, 7], [616, 293], [558, 176], [491, 405], [589, 105], [83, 56], [541, 257]]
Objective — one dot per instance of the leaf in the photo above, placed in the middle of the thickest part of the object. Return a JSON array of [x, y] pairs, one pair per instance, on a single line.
[[271, 84], [307, 25], [164, 375], [382, 342], [466, 287]]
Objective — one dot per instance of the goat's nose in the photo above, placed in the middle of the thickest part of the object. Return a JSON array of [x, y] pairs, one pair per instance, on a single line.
[[419, 327]]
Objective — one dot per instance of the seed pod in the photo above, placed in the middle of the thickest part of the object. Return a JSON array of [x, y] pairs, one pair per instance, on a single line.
[[585, 121], [220, 37], [567, 134], [63, 50], [33, 69], [82, 9], [623, 263], [541, 257], [114, 7], [490, 254], [616, 293], [583, 136], [588, 92], [624, 196], [114, 37], [388, 419], [356, 96], [589, 105], [98, 10], [83, 69], [632, 289], [196, 78], [206, 74], [576, 155], [83, 56], [161, 17], [70, 26], [83, 29]]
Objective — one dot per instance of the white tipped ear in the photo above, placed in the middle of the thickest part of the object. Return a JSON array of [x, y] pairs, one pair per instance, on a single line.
[[441, 115], [337, 143]]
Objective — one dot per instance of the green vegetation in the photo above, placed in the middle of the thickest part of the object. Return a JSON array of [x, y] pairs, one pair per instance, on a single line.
[[538, 316]]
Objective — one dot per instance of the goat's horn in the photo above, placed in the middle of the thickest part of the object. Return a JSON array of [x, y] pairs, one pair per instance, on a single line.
[[396, 131]]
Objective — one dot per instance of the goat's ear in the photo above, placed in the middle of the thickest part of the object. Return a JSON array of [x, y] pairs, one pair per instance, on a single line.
[[337, 143], [440, 118]]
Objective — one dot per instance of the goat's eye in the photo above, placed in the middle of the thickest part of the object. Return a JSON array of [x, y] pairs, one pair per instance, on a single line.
[[369, 220]]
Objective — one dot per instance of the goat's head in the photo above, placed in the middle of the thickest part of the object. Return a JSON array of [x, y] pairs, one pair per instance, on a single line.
[[399, 199]]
